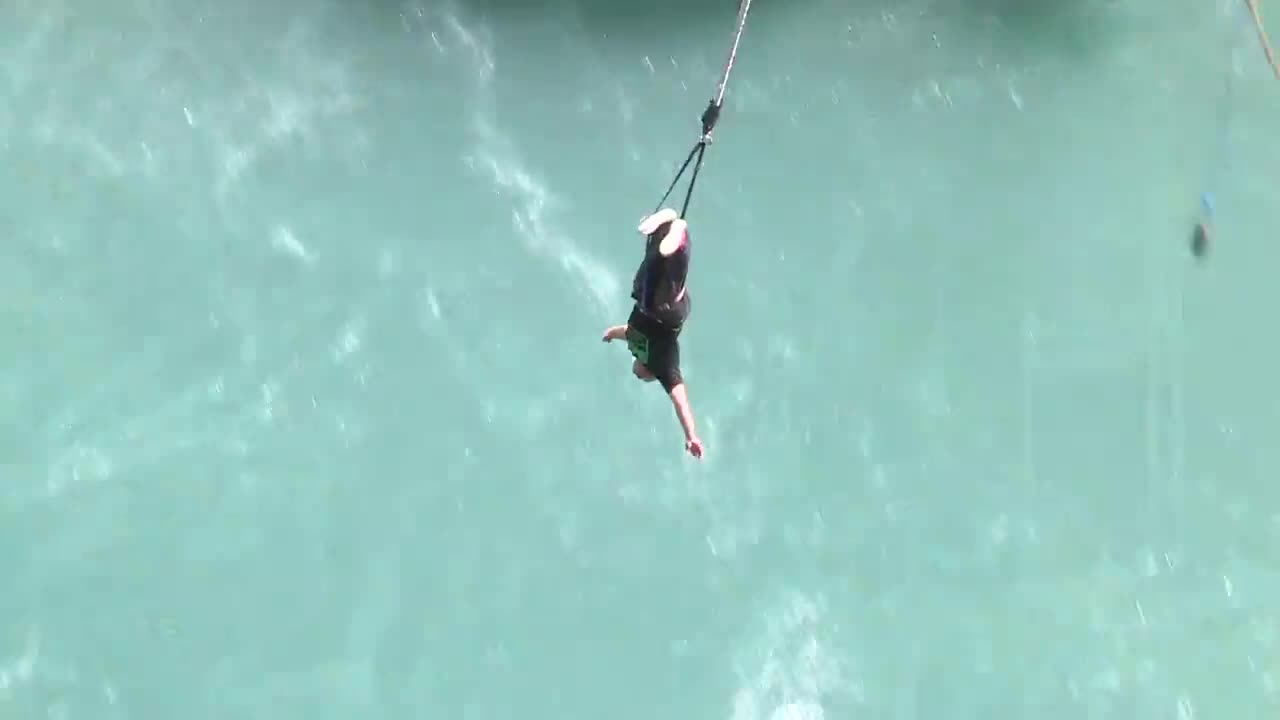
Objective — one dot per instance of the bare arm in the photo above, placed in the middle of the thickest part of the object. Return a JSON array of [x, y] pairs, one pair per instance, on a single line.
[[680, 399]]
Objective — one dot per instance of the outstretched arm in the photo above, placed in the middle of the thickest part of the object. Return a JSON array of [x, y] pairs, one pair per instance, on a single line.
[[680, 399]]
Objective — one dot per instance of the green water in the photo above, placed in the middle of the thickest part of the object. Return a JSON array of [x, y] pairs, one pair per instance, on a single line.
[[307, 416]]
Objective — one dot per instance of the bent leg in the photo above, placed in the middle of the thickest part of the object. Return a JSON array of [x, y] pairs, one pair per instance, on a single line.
[[641, 372]]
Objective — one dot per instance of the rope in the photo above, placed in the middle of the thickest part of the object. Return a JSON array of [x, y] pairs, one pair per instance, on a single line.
[[1262, 36], [1220, 160], [743, 7], [709, 117]]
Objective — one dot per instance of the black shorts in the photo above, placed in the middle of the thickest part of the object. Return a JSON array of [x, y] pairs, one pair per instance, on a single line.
[[656, 347]]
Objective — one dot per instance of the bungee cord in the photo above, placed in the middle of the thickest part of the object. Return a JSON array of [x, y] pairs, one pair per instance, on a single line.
[[709, 116]]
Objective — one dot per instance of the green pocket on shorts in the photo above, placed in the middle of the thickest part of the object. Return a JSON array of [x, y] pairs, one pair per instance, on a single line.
[[638, 344]]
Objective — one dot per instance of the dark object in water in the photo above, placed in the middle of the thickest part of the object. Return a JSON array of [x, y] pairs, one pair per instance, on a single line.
[[1200, 240]]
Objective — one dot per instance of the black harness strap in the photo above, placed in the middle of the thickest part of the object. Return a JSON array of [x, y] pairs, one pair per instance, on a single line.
[[709, 117]]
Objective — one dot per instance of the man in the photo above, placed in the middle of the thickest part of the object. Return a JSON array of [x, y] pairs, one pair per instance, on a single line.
[[661, 308]]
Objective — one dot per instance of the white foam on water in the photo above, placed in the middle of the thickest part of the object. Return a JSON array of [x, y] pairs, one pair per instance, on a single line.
[[478, 41], [284, 240], [17, 672], [532, 201], [533, 204], [297, 99], [789, 670], [350, 339], [798, 711], [76, 467], [34, 676]]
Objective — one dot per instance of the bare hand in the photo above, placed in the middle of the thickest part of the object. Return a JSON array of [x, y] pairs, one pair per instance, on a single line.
[[694, 446], [616, 332]]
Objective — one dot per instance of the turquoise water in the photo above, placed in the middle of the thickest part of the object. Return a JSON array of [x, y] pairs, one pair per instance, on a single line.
[[307, 415]]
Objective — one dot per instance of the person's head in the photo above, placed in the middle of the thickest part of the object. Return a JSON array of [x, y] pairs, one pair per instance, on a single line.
[[641, 372]]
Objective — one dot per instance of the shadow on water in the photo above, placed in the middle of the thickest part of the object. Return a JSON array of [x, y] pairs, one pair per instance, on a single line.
[[617, 16], [1073, 27], [625, 11]]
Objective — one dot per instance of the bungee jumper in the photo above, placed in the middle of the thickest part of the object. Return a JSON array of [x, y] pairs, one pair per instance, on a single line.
[[659, 289]]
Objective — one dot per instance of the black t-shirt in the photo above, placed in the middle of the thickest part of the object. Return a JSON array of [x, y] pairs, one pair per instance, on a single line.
[[659, 280]]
